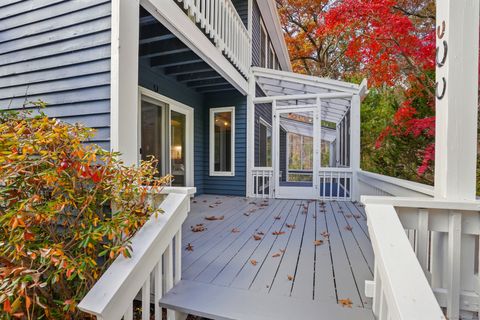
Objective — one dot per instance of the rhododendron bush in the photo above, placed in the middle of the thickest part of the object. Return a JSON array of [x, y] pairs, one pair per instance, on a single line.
[[58, 232]]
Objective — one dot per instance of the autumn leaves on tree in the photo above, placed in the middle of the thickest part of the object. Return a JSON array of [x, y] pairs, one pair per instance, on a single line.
[[392, 44]]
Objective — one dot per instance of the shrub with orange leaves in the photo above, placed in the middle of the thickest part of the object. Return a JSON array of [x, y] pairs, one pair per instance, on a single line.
[[67, 210]]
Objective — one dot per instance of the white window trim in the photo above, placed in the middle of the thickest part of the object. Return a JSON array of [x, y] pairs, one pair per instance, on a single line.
[[189, 141], [273, 55], [269, 126], [214, 173], [267, 41]]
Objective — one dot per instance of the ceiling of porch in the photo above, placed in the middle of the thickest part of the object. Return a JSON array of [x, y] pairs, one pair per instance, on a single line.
[[166, 54]]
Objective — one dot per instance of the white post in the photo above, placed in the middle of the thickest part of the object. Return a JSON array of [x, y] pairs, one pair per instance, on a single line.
[[124, 79], [338, 145], [331, 161], [457, 94], [355, 144], [250, 134]]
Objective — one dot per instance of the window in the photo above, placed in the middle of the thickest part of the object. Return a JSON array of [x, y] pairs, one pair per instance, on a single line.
[[271, 58], [265, 144], [300, 158], [263, 46], [222, 141]]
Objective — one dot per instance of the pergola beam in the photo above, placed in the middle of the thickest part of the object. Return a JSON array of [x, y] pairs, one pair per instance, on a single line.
[[270, 99]]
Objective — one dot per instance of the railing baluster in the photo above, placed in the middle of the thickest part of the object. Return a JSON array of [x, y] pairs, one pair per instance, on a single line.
[[454, 264], [423, 241], [169, 276], [158, 277], [129, 313], [146, 300], [178, 256]]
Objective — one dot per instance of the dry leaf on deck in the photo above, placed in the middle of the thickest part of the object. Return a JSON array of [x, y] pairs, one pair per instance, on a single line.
[[256, 237], [189, 247], [346, 303], [348, 216], [282, 250], [235, 230], [198, 228], [214, 218], [318, 242], [261, 233], [277, 217], [349, 228], [325, 234], [291, 226], [290, 277], [278, 233], [276, 255], [253, 262], [246, 214], [357, 216]]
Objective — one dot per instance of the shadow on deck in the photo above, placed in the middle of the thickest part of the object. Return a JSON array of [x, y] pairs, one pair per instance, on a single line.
[[274, 259]]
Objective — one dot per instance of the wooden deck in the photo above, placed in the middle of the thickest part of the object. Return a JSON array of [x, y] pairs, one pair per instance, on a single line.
[[274, 259]]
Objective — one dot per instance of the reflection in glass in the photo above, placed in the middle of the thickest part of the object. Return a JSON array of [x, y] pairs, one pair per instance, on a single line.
[[177, 151], [151, 132], [222, 141]]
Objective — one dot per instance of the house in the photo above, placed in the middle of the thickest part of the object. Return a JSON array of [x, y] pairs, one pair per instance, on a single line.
[[206, 87]]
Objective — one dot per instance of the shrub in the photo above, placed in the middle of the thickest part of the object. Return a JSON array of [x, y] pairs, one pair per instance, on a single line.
[[58, 233]]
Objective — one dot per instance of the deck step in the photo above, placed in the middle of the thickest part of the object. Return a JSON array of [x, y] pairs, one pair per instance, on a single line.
[[217, 302]]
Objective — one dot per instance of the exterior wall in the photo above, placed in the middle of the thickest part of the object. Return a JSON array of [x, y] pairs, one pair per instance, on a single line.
[[58, 52], [228, 185]]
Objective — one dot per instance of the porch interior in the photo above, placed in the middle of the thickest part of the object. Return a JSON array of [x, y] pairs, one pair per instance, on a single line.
[[273, 259]]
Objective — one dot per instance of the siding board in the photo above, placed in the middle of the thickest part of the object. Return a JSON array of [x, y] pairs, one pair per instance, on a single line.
[[24, 6]]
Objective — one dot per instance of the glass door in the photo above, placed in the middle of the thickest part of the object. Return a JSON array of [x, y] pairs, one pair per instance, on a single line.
[[297, 153], [166, 129]]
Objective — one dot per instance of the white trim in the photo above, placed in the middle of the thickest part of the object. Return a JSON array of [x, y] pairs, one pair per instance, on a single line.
[[265, 45], [124, 79], [231, 173], [268, 10], [268, 126], [189, 139], [174, 19]]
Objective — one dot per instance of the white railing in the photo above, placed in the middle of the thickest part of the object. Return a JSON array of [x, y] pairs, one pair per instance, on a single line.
[[154, 268], [422, 244], [221, 22], [374, 184], [336, 184], [263, 183]]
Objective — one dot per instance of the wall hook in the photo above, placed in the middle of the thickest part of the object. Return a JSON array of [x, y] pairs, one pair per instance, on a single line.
[[439, 95], [441, 30], [441, 63]]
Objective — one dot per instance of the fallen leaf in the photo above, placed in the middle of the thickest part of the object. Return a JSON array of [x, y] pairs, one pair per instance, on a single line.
[[211, 206], [214, 218], [357, 216], [218, 202], [194, 201], [261, 233], [282, 250], [276, 255], [204, 200], [318, 242], [348, 228], [253, 262], [348, 216], [325, 234], [256, 237], [246, 214], [290, 277], [198, 228], [235, 230], [346, 303], [278, 217], [278, 233], [291, 226], [189, 247]]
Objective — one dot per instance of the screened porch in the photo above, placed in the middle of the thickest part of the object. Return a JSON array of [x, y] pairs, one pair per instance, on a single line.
[[306, 136]]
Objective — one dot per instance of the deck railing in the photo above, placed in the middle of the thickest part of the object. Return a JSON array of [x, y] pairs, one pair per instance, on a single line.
[[221, 22], [152, 269], [263, 182], [422, 244], [336, 184]]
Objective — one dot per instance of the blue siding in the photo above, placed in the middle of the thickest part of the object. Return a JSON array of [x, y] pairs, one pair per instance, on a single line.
[[228, 185], [58, 52]]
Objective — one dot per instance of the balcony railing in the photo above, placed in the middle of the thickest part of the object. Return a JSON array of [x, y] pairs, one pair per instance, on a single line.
[[153, 269], [221, 22]]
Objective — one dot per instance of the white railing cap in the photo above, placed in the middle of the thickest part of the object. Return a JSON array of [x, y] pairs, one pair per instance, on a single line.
[[411, 185], [423, 203]]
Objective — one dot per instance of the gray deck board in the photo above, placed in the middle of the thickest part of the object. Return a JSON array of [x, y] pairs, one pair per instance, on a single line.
[[321, 275]]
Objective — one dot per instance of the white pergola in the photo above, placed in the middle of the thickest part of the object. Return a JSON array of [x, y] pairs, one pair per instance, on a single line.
[[338, 103]]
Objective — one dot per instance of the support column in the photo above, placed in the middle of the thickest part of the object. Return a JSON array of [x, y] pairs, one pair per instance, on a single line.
[[250, 134], [355, 144], [124, 118], [457, 99]]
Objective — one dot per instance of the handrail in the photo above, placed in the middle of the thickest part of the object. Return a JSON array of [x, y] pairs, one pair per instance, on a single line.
[[394, 186], [400, 290], [221, 21], [112, 296], [426, 203]]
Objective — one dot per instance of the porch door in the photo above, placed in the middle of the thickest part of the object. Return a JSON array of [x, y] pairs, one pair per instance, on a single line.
[[296, 152], [167, 134]]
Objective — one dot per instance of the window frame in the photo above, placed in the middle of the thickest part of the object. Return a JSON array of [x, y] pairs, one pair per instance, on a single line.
[[263, 122], [265, 47], [271, 57], [214, 173]]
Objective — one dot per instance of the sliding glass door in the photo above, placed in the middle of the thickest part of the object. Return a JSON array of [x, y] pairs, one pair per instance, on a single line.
[[166, 129]]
